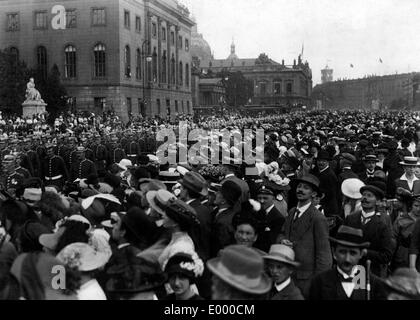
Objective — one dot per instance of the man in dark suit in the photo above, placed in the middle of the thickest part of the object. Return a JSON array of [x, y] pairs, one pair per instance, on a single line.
[[306, 230], [230, 176], [328, 185], [370, 161], [270, 220], [392, 168], [346, 162], [193, 187], [281, 264], [408, 180], [347, 280], [374, 230]]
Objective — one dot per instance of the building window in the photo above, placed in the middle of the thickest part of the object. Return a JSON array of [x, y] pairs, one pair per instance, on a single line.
[[99, 103], [155, 66], [12, 22], [289, 88], [70, 62], [154, 30], [163, 34], [99, 60], [172, 38], [98, 17], [187, 75], [127, 61], [263, 88], [164, 66], [187, 45], [158, 106], [181, 73], [168, 107], [173, 76], [180, 42], [277, 87], [138, 64], [41, 20], [127, 19], [188, 107], [176, 106], [129, 107], [182, 106], [71, 18], [41, 55], [138, 24]]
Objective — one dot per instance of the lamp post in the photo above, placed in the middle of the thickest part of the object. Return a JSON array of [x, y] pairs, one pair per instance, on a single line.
[[147, 58]]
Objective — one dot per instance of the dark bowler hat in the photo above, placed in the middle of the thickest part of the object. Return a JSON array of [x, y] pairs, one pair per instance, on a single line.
[[311, 180], [323, 155], [378, 192], [139, 224], [195, 182], [241, 268], [350, 237]]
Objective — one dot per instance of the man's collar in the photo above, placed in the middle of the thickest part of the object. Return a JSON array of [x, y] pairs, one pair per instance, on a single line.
[[269, 208], [345, 275], [123, 245], [189, 201], [229, 175], [284, 284], [404, 178], [326, 168]]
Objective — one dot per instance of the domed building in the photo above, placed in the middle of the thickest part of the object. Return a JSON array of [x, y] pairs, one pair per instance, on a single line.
[[200, 49]]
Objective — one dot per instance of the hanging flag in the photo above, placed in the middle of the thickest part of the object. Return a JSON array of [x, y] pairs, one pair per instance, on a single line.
[[351, 65], [380, 60], [302, 50]]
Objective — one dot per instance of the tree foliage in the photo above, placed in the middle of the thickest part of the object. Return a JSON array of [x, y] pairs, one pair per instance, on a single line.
[[14, 75], [238, 89]]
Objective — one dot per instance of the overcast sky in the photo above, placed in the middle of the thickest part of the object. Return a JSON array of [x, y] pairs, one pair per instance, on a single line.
[[344, 32]]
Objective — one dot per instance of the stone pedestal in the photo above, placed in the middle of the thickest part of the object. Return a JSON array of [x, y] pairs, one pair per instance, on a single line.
[[31, 108]]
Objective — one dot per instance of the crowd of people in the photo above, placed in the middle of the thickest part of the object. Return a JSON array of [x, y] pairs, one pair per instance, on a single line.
[[332, 211]]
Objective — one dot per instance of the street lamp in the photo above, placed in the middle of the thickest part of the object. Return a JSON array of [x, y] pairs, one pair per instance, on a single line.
[[147, 59]]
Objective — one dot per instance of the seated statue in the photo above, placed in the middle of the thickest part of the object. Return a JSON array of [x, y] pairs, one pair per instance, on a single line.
[[31, 93]]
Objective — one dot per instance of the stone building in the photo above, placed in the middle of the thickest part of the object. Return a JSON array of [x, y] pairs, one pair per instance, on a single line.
[[386, 92], [274, 83], [132, 56]]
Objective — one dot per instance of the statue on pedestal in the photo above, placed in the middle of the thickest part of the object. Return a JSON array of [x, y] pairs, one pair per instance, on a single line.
[[31, 93]]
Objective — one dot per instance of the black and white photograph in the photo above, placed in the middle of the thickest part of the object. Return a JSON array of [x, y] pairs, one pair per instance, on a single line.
[[222, 151]]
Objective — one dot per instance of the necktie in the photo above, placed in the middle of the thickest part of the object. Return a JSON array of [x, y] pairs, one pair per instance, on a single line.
[[349, 279], [297, 213]]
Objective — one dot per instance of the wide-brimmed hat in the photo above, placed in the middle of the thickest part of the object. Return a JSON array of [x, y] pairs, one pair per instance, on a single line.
[[83, 256], [377, 191], [351, 188], [169, 177], [195, 182], [405, 281], [125, 164], [309, 179], [242, 268], [282, 253], [410, 161], [350, 237], [182, 213], [50, 240], [158, 200]]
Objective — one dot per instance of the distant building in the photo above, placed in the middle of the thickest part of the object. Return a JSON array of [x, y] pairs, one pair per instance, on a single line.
[[132, 56], [386, 92], [274, 84], [327, 74]]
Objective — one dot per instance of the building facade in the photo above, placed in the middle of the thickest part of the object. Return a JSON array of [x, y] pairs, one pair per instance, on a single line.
[[130, 56], [327, 75], [274, 83], [386, 92]]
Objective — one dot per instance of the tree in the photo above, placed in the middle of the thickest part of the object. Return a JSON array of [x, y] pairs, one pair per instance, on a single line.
[[14, 76], [238, 89], [52, 90]]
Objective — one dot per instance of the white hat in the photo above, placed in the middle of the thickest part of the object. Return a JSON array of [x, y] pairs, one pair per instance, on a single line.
[[351, 188], [83, 256], [125, 164]]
